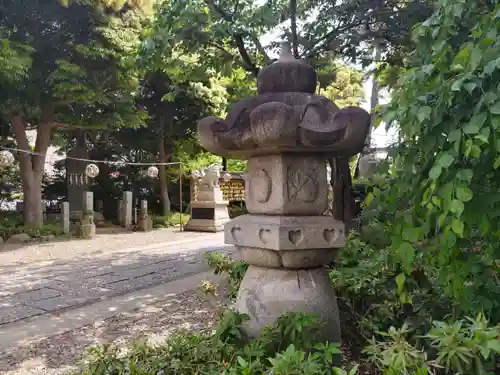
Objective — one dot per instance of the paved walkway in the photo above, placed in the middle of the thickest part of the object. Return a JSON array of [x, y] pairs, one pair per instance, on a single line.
[[75, 278]]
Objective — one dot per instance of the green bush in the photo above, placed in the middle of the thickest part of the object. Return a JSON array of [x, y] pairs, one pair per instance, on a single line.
[[173, 219], [283, 349], [12, 223]]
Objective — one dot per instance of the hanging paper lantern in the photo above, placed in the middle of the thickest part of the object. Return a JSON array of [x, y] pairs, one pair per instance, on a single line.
[[152, 172], [92, 170], [226, 176], [6, 158]]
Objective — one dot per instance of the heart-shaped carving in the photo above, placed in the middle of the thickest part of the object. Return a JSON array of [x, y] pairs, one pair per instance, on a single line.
[[264, 235], [295, 236], [330, 235], [235, 233]]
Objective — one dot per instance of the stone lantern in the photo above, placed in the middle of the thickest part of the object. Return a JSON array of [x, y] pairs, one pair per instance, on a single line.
[[287, 133]]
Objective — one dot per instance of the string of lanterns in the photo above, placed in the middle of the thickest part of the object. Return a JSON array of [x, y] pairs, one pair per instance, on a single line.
[[6, 159], [91, 170]]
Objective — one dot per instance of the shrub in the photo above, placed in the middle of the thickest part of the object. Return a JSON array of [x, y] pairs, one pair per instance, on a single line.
[[173, 219], [11, 224]]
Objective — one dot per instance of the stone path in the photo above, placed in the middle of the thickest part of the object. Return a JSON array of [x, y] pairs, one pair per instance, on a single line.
[[51, 286]]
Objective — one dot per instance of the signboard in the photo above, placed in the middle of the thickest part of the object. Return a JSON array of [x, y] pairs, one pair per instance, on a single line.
[[233, 190]]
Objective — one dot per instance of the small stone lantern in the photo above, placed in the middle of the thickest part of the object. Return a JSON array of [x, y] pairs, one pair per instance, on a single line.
[[287, 133]]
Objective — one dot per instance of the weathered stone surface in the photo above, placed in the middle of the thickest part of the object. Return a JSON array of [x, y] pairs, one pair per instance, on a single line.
[[290, 259], [18, 312], [287, 75], [209, 212], [98, 217], [266, 293], [285, 232], [286, 184], [18, 238], [65, 217], [287, 133]]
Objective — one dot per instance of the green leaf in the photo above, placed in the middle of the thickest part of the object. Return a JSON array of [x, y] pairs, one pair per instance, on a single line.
[[496, 164], [410, 234], [455, 135], [475, 151], [400, 281], [424, 113], [495, 108], [475, 123], [457, 207], [484, 225], [435, 172], [406, 253], [445, 160], [464, 194], [457, 226], [494, 345], [448, 239], [465, 174], [475, 58]]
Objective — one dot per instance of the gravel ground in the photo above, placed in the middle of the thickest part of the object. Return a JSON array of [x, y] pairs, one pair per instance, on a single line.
[[58, 355]]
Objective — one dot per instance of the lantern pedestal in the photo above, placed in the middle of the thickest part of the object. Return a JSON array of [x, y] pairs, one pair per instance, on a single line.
[[208, 216]]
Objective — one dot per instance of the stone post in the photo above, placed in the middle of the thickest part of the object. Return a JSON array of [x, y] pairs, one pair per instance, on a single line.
[[127, 209], [287, 133], [145, 223], [65, 217], [76, 181], [120, 212], [209, 212], [87, 226]]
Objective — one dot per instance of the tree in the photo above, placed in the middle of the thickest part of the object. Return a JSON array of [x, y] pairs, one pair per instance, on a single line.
[[77, 69]]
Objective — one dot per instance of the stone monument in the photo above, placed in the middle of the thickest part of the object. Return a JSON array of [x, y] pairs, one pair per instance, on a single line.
[[87, 228], [209, 211], [287, 133], [145, 223], [76, 179]]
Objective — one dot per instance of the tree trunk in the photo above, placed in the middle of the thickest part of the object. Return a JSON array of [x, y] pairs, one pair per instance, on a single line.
[[32, 166], [165, 199]]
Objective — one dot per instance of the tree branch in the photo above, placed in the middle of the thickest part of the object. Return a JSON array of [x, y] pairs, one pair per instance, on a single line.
[[247, 60], [260, 48], [248, 64]]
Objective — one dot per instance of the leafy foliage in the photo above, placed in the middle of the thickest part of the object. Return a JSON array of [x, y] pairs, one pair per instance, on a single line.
[[447, 108]]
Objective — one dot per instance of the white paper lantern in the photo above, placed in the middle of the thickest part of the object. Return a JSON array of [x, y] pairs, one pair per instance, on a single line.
[[6, 158], [92, 170], [226, 176], [152, 172]]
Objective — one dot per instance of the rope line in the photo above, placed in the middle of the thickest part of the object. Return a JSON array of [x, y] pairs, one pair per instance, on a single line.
[[121, 163]]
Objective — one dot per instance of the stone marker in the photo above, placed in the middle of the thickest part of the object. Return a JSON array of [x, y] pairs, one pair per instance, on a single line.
[[145, 223], [127, 209], [76, 181], [65, 217], [287, 133], [209, 211], [120, 212], [87, 226]]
